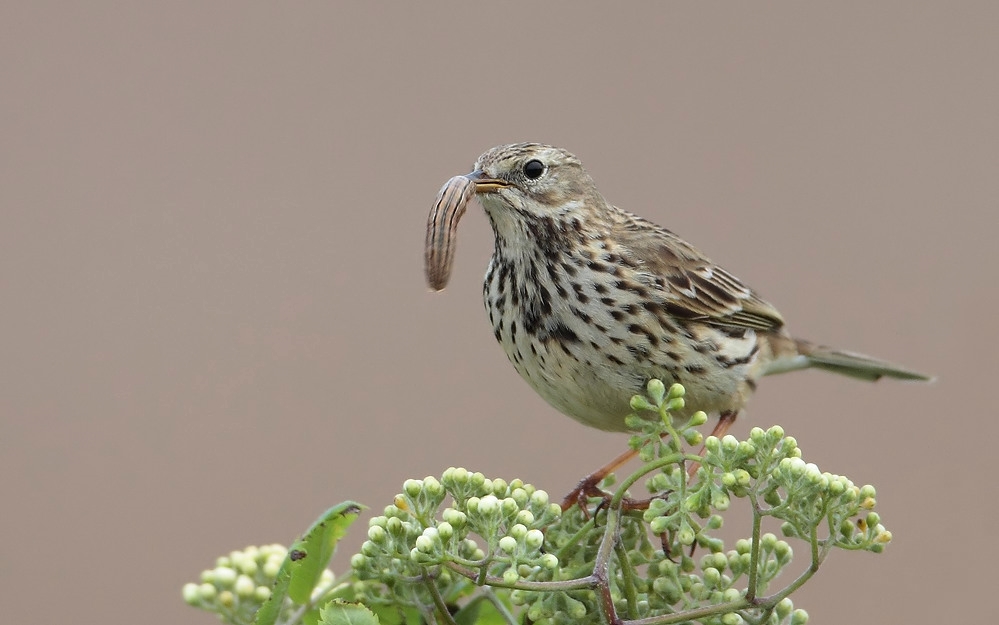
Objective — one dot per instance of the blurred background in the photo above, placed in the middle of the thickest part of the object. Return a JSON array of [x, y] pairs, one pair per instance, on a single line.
[[214, 317]]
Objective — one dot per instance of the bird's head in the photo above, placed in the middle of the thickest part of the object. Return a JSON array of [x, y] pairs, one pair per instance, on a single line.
[[532, 180]]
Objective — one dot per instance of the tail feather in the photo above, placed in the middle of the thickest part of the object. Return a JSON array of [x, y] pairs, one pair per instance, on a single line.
[[854, 365]]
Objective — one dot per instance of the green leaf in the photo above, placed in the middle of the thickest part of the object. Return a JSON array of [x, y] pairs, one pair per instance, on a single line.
[[397, 615], [306, 560], [339, 612], [269, 612], [479, 611], [309, 556]]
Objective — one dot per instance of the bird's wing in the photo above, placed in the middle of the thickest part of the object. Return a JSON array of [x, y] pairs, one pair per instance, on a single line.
[[691, 285]]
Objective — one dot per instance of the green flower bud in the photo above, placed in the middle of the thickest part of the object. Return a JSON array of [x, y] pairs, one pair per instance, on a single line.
[[788, 529], [720, 502], [445, 531], [728, 479], [472, 505], [574, 608], [768, 541], [711, 577], [535, 613], [476, 480], [783, 552], [686, 535], [747, 449], [659, 525], [549, 561], [456, 476], [273, 565], [662, 585], [244, 586], [656, 390], [799, 617], [699, 591], [742, 477], [456, 518], [395, 527], [424, 544], [509, 506], [675, 404], [412, 487], [873, 518], [698, 419], [692, 437], [500, 487], [433, 487], [730, 443], [783, 608], [640, 404], [712, 444], [377, 534], [227, 599], [539, 498], [191, 594], [715, 560], [224, 577], [534, 539], [676, 390], [715, 522], [731, 594], [775, 432], [525, 517], [359, 561], [261, 594], [508, 544], [743, 546], [732, 618], [249, 567], [520, 496], [487, 505], [510, 576], [772, 497], [847, 529]]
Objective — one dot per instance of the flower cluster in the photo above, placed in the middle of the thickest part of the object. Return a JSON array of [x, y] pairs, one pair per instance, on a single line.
[[240, 583], [491, 528], [465, 548]]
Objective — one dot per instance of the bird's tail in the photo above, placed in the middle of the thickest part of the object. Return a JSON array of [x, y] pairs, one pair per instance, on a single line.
[[800, 354]]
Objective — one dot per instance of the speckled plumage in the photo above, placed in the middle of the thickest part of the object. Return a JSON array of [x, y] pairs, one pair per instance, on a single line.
[[589, 301]]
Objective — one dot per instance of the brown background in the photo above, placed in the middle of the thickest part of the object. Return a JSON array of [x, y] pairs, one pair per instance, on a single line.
[[214, 320]]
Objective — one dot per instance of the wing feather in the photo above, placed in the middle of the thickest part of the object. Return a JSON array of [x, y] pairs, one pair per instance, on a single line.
[[691, 286]]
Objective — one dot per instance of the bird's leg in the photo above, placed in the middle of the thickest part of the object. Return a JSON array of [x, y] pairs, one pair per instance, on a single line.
[[588, 487], [725, 421]]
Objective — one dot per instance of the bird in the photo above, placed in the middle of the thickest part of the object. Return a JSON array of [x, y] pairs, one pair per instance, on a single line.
[[589, 301]]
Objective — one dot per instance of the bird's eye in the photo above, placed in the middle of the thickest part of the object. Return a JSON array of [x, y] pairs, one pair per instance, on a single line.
[[533, 169]]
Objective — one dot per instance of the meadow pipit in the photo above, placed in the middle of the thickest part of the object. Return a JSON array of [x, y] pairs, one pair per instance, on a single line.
[[589, 301]]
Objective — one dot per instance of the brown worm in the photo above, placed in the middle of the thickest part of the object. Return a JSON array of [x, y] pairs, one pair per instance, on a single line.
[[442, 227]]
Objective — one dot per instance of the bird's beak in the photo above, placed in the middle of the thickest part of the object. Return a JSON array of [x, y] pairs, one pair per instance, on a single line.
[[484, 184]]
